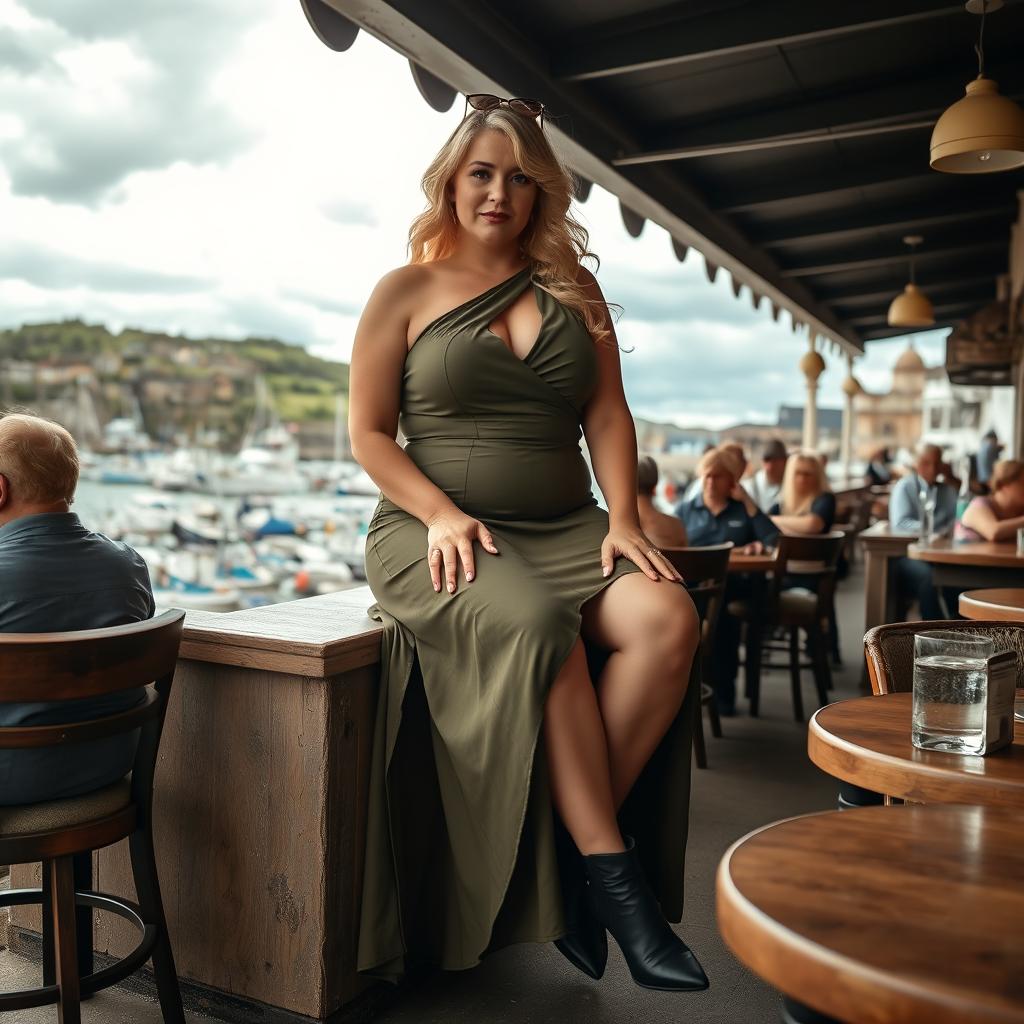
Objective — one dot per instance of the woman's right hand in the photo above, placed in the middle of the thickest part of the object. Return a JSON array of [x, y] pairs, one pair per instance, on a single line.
[[450, 536]]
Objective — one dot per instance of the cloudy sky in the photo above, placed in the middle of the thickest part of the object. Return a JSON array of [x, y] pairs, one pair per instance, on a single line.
[[212, 168]]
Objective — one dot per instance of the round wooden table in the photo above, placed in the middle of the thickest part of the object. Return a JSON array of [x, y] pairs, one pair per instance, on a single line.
[[1003, 603], [866, 741], [908, 915]]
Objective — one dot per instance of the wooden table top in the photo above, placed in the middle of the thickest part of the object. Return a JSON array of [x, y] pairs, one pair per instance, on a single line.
[[751, 563], [883, 531], [908, 915], [945, 552], [1003, 603], [866, 741]]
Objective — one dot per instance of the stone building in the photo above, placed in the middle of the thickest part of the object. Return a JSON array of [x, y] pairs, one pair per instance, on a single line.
[[891, 419]]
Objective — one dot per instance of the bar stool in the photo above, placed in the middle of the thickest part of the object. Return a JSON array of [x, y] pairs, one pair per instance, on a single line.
[[68, 666]]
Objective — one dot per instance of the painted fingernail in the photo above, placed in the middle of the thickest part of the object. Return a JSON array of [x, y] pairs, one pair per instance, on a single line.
[[605, 571], [469, 575], [437, 587], [451, 588]]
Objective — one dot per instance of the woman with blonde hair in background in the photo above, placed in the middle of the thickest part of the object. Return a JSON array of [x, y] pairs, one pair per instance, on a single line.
[[806, 504], [723, 512], [512, 785], [666, 531], [999, 515]]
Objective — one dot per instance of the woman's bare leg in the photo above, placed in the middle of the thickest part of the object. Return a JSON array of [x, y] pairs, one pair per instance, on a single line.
[[577, 753], [651, 628]]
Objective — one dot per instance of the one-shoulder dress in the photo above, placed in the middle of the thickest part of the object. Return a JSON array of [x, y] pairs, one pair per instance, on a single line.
[[460, 850]]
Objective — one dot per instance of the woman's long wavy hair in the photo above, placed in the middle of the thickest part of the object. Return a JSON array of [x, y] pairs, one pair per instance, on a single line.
[[792, 504], [553, 239]]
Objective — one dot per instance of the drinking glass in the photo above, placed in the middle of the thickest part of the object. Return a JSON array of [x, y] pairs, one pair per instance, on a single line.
[[950, 691]]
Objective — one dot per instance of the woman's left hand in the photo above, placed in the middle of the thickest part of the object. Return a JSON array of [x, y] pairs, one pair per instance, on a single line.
[[634, 545]]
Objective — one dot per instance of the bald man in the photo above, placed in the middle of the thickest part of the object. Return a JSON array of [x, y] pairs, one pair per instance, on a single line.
[[55, 576]]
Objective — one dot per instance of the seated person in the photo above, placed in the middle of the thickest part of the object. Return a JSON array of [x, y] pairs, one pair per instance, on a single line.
[[878, 473], [663, 530], [765, 486], [58, 576], [722, 512], [999, 515], [913, 577], [733, 448], [806, 504]]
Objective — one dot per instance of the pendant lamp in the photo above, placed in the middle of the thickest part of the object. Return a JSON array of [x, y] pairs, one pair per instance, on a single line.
[[911, 307], [984, 132]]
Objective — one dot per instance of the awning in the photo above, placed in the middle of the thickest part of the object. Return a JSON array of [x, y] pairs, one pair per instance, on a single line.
[[786, 142]]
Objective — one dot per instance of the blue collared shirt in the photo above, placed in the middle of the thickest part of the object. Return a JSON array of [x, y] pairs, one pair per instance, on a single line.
[[733, 523], [56, 576], [905, 505]]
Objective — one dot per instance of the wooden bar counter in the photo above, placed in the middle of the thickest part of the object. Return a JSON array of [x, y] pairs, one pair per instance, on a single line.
[[260, 807]]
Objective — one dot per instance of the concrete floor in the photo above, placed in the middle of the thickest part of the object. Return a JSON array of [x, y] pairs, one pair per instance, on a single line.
[[759, 772]]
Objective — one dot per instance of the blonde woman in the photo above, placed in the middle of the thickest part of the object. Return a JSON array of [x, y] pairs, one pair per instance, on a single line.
[[806, 504], [492, 566], [999, 515]]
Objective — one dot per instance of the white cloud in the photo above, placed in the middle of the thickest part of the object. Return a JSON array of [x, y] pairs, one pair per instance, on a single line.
[[229, 154]]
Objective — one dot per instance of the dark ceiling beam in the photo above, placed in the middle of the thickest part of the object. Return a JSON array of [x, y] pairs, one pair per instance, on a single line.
[[452, 40], [948, 311], [896, 222], [670, 37], [800, 190], [924, 256], [983, 284], [753, 145], [912, 103]]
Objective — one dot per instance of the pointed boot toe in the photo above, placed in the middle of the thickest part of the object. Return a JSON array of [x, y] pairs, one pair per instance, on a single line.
[[623, 902], [588, 953], [585, 943]]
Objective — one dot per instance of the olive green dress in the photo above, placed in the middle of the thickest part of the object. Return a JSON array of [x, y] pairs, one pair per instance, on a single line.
[[460, 851]]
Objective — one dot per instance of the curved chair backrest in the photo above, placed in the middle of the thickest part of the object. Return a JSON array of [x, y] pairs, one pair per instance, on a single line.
[[706, 572], [811, 558], [889, 650], [55, 667]]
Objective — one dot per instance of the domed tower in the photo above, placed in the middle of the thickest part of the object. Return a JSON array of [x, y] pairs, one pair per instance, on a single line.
[[908, 374]]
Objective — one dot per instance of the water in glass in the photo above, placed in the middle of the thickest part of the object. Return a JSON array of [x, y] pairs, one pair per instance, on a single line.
[[950, 691]]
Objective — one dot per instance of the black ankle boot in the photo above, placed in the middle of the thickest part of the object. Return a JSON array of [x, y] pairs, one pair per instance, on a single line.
[[623, 902], [585, 944]]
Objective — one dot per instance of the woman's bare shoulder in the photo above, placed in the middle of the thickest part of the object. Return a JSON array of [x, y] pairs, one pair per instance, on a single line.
[[400, 282]]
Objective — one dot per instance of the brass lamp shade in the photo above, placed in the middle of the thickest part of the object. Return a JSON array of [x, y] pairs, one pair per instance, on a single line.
[[980, 134], [911, 308]]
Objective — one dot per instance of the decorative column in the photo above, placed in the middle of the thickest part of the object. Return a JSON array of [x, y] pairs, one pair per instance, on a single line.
[[812, 366], [851, 389]]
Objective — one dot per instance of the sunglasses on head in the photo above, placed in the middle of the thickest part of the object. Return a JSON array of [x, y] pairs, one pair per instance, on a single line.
[[517, 104]]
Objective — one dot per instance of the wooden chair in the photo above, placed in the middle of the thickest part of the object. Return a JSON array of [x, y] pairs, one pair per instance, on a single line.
[[706, 571], [801, 559], [889, 650], [66, 666]]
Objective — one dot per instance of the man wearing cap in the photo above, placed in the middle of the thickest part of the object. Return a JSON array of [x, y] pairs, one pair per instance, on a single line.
[[765, 486]]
